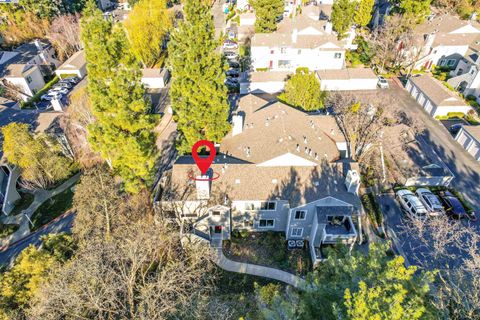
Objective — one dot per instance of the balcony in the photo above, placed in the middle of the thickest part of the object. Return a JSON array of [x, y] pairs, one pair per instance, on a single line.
[[339, 229]]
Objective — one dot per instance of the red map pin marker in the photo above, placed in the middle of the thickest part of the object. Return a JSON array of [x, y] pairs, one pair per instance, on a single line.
[[203, 163]]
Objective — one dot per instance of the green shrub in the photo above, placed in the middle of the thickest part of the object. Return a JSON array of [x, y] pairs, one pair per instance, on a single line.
[[455, 115], [261, 69], [244, 233], [373, 209], [471, 97], [36, 97], [235, 233], [471, 119]]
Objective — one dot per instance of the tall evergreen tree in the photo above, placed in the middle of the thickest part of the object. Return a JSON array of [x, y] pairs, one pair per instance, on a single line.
[[343, 12], [363, 15], [302, 90], [198, 93], [267, 13], [123, 131]]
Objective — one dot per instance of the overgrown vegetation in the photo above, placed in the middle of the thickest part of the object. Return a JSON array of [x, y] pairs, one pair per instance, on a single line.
[[267, 249], [7, 229], [373, 209], [52, 208]]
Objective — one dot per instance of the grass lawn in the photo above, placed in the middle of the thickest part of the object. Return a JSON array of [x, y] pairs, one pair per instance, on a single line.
[[23, 203], [268, 249], [7, 229], [53, 208]]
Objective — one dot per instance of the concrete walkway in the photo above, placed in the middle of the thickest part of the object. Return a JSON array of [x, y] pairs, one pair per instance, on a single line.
[[257, 270], [40, 196]]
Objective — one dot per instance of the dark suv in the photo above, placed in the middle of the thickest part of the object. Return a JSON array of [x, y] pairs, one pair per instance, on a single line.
[[453, 206]]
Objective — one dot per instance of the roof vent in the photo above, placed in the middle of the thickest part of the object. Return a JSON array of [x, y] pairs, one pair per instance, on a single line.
[[237, 181], [274, 181], [306, 150], [326, 156], [304, 139], [310, 152], [289, 137], [298, 147], [280, 140], [316, 156], [332, 132], [248, 151]]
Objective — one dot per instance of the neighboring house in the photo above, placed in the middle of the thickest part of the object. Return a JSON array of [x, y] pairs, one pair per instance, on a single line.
[[294, 186], [9, 175], [266, 81], [469, 138], [243, 5], [434, 97], [443, 40], [24, 68], [347, 79], [76, 65], [303, 41], [155, 78]]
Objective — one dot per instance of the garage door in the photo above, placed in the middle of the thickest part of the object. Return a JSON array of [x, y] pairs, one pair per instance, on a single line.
[[428, 107], [475, 151], [463, 139]]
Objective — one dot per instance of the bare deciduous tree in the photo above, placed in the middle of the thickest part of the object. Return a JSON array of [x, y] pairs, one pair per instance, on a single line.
[[64, 34], [142, 272]]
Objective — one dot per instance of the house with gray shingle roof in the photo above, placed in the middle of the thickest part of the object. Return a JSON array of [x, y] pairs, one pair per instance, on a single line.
[[280, 170], [469, 139]]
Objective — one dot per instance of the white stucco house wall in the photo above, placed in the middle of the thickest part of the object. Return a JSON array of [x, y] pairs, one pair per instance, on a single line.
[[434, 97], [27, 78], [75, 65], [469, 138], [347, 79]]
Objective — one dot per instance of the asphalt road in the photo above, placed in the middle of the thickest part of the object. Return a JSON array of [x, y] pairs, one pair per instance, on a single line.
[[62, 224], [465, 168]]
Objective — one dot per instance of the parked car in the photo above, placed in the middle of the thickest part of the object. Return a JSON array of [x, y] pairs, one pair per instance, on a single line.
[[46, 97], [383, 83], [411, 204], [430, 201], [234, 64], [232, 73], [58, 89], [64, 84], [230, 45], [72, 80], [231, 34], [230, 55], [232, 80], [453, 206], [454, 128]]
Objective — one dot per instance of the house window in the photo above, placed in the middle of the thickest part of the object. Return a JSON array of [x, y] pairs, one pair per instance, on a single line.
[[297, 232], [283, 50], [29, 79], [442, 62], [300, 214], [250, 206], [299, 51], [272, 51], [267, 205], [338, 55], [451, 62], [216, 213], [284, 63], [266, 223]]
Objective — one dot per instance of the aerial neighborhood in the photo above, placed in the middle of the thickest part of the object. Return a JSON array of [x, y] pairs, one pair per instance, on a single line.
[[240, 159]]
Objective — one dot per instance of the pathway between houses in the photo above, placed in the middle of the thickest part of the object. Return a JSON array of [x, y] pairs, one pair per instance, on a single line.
[[257, 270], [40, 196]]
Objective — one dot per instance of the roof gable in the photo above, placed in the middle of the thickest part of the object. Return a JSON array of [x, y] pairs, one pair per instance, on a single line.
[[465, 29], [287, 160], [310, 31], [329, 45]]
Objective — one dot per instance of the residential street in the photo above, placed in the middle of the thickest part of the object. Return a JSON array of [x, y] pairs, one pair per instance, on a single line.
[[61, 224], [465, 168]]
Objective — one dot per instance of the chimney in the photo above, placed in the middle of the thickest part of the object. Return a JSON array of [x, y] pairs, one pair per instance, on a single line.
[[473, 17], [328, 27], [203, 187], [237, 121], [294, 35], [352, 181], [38, 44]]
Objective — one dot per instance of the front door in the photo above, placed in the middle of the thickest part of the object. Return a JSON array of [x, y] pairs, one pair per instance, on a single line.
[[216, 232]]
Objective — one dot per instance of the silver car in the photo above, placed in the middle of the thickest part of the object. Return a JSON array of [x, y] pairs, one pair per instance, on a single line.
[[411, 204], [430, 201], [382, 82]]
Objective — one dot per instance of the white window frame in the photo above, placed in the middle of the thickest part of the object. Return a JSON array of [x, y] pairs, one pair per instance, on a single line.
[[296, 235], [283, 50], [299, 219], [266, 226]]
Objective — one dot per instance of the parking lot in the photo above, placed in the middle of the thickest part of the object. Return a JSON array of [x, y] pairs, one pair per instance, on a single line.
[[418, 248], [44, 104]]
